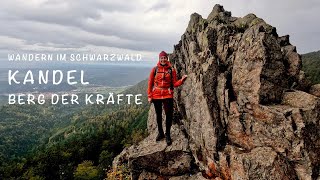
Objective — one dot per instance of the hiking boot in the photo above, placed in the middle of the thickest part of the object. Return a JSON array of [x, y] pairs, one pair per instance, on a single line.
[[159, 136], [168, 139]]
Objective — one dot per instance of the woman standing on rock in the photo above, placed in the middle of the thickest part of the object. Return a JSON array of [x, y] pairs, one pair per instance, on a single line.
[[162, 80]]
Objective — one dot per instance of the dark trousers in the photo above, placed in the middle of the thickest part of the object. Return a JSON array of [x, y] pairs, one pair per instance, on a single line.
[[168, 108]]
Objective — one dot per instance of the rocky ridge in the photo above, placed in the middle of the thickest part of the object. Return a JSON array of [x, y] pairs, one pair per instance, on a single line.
[[246, 110]]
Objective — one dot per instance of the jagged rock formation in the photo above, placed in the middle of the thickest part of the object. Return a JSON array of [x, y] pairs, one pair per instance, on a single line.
[[244, 111]]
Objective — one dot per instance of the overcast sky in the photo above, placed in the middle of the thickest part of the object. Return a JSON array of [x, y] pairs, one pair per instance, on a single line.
[[137, 26]]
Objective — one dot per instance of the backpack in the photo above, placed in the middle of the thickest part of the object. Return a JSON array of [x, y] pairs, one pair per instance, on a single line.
[[170, 71]]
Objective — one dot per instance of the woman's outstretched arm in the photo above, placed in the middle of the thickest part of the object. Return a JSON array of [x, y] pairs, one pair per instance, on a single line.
[[176, 82]]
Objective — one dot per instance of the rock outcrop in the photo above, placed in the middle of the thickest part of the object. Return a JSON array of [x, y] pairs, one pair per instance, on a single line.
[[244, 111]]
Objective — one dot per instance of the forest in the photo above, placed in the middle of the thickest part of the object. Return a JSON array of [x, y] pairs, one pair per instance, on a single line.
[[51, 142], [311, 66]]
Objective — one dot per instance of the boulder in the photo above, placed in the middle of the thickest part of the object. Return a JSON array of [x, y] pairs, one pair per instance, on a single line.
[[315, 90]]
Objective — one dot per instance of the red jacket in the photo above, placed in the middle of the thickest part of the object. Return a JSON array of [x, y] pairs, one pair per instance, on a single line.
[[159, 84]]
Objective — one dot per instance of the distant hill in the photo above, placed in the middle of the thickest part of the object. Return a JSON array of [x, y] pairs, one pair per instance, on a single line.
[[311, 65]]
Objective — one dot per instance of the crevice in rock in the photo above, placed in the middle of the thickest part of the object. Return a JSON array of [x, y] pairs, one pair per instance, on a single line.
[[242, 121], [311, 134], [231, 93], [222, 140], [199, 154], [212, 40]]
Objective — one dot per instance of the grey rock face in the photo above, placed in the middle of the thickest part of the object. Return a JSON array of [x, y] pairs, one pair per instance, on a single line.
[[243, 110]]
